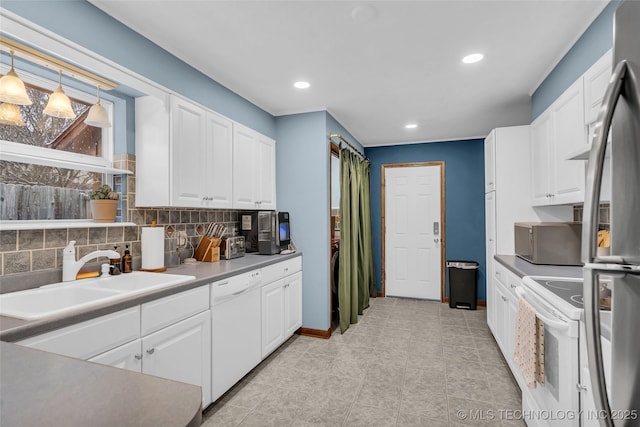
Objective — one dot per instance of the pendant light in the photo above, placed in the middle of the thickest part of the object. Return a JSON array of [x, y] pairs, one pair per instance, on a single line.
[[12, 89], [59, 104], [10, 115], [98, 115]]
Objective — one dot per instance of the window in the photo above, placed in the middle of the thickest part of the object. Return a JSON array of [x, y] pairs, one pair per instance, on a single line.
[[49, 166]]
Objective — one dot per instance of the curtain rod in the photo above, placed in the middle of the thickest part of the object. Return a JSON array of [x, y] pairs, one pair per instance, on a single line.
[[55, 63], [343, 139]]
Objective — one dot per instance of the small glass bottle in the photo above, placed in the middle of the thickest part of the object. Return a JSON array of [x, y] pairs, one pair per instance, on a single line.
[[126, 261]]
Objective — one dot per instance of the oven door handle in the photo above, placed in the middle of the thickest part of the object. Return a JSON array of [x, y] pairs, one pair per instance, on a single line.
[[559, 325]]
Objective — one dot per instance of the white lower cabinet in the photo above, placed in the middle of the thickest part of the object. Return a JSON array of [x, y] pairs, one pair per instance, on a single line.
[[92, 337], [180, 352], [127, 356], [281, 311]]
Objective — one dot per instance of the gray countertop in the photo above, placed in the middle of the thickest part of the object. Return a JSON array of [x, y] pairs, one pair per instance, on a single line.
[[40, 388], [12, 329], [525, 268]]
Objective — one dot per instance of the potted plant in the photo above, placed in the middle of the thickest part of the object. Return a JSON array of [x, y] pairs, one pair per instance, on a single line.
[[104, 203]]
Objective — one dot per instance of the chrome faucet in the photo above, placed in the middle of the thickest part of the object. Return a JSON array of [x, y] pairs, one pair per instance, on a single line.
[[70, 266]]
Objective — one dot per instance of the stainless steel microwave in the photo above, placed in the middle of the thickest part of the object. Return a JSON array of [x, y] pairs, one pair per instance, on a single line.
[[554, 243]]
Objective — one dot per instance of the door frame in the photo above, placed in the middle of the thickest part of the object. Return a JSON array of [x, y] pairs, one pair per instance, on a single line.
[[442, 215]]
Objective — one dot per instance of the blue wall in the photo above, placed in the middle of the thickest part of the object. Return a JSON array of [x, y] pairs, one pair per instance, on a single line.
[[464, 197], [88, 26], [302, 179], [595, 41]]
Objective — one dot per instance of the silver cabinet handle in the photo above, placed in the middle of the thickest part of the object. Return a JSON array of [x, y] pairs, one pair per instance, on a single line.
[[137, 356], [151, 351], [513, 286], [581, 388]]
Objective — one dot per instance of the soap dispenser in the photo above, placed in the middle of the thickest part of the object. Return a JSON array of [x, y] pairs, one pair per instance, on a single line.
[[115, 263], [126, 261]]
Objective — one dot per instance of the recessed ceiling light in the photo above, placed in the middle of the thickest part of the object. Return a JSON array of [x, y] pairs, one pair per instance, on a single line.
[[474, 57], [410, 126], [302, 85]]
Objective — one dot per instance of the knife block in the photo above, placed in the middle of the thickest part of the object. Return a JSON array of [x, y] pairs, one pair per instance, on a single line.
[[208, 249]]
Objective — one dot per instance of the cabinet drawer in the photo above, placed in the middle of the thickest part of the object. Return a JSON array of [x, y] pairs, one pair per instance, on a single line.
[[95, 336], [166, 311], [282, 269], [500, 272], [513, 281]]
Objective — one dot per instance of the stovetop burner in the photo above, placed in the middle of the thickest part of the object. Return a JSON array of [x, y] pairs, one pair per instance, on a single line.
[[569, 290]]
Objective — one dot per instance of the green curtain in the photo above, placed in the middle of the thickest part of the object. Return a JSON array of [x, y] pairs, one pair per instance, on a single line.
[[356, 281]]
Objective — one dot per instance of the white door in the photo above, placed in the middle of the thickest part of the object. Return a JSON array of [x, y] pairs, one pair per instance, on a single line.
[[127, 356], [266, 177], [413, 237], [292, 304], [182, 352], [244, 168]]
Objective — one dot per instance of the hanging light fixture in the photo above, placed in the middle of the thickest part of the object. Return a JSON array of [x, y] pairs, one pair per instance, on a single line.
[[12, 89], [10, 115], [59, 104], [98, 115]]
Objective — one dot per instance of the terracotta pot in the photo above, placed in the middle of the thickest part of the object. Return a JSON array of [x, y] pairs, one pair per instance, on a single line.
[[104, 210]]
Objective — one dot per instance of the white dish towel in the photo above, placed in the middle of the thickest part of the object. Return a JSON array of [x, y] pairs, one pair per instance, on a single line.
[[529, 346]]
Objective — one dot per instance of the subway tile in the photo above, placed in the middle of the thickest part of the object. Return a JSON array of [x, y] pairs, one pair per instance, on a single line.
[[43, 259], [136, 216], [97, 235], [16, 262], [195, 217], [115, 234], [131, 184], [136, 248], [8, 240], [164, 216], [80, 235], [174, 217], [85, 250], [131, 234], [55, 238], [150, 215], [203, 217], [30, 239], [185, 217]]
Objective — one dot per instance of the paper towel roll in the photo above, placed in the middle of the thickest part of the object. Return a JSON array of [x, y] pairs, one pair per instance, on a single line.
[[152, 248]]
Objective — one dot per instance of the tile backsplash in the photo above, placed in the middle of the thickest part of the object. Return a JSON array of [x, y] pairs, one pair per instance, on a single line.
[[28, 251]]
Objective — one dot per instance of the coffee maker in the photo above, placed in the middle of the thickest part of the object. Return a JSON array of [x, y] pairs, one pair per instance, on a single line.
[[266, 232], [273, 232]]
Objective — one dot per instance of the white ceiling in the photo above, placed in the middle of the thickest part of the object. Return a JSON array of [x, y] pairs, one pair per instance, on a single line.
[[374, 65]]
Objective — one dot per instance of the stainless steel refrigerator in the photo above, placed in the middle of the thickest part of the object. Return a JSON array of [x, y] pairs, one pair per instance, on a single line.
[[620, 114]]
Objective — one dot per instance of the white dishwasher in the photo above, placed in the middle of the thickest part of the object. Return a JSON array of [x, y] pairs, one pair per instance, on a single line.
[[236, 330]]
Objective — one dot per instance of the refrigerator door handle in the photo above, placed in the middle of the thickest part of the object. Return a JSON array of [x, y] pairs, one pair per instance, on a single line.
[[596, 161], [594, 346], [589, 240]]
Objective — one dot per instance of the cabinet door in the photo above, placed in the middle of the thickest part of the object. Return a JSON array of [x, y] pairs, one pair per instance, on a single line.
[[540, 164], [266, 177], [272, 316], [217, 186], [244, 168], [187, 153], [569, 136], [127, 356], [490, 162], [293, 304], [490, 207], [182, 352], [596, 80], [502, 318]]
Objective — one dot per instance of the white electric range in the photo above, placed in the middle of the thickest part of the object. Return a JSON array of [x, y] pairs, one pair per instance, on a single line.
[[558, 303]]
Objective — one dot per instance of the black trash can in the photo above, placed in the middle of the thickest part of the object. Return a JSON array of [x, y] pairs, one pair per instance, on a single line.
[[463, 284]]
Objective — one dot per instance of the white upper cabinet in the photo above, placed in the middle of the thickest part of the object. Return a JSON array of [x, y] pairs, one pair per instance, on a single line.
[[596, 80], [186, 156], [187, 162], [254, 170], [569, 135], [555, 135]]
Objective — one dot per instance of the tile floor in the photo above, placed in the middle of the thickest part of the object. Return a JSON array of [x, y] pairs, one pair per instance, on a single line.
[[406, 363]]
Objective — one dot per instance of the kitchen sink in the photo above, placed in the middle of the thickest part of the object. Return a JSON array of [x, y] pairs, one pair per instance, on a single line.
[[62, 297]]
